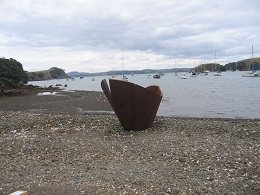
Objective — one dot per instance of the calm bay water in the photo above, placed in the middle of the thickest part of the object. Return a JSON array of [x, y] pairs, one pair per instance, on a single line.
[[227, 96]]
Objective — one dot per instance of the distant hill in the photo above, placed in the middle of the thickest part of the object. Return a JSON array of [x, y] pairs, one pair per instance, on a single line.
[[242, 65], [128, 72], [209, 66], [52, 73], [57, 73]]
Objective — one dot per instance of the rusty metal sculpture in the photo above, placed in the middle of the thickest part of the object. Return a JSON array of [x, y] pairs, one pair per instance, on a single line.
[[134, 106]]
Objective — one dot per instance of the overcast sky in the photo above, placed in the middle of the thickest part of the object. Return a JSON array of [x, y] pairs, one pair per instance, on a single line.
[[94, 35]]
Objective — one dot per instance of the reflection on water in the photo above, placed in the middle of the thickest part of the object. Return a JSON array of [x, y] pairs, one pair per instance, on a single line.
[[227, 96], [46, 93]]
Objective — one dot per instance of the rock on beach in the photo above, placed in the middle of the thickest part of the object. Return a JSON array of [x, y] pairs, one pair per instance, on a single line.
[[49, 149]]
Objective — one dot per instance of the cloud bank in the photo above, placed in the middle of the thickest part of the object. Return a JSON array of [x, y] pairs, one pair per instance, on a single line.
[[95, 35]]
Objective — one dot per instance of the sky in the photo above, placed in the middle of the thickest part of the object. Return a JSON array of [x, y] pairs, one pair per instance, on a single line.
[[103, 35]]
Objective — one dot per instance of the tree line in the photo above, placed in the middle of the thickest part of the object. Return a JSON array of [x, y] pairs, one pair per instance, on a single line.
[[12, 74]]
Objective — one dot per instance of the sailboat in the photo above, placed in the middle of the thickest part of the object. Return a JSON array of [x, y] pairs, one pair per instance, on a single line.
[[252, 73], [184, 76], [149, 75], [176, 74], [124, 78], [218, 73], [93, 79], [193, 72], [157, 76]]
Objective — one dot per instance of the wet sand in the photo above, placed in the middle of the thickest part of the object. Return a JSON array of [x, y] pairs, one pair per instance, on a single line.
[[53, 101]]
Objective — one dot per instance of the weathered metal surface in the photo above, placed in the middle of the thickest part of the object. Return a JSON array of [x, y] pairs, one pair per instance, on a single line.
[[135, 106]]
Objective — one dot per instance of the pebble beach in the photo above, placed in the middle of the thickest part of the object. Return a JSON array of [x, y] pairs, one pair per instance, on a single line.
[[72, 143]]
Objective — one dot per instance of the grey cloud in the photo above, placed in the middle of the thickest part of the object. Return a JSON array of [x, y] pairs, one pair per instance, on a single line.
[[172, 29]]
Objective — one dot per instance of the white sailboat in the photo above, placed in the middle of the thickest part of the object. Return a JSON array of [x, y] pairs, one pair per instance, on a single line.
[[218, 73], [93, 79], [204, 73], [194, 72], [176, 74], [252, 73], [124, 77], [149, 75], [157, 76], [184, 76]]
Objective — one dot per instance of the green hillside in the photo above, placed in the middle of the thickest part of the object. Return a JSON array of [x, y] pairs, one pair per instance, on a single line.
[[242, 65], [209, 66], [52, 73]]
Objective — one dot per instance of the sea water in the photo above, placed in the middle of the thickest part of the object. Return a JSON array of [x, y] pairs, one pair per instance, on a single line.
[[227, 96]]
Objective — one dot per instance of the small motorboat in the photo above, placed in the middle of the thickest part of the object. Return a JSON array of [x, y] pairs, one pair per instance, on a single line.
[[193, 74], [124, 78], [134, 105], [184, 77], [157, 76], [217, 73], [251, 74]]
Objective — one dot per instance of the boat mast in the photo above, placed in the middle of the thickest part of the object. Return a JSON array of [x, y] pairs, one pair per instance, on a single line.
[[253, 57], [148, 68], [123, 68], [201, 66], [252, 52], [215, 62], [175, 69]]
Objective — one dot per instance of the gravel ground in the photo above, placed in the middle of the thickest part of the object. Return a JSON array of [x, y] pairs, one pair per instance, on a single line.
[[46, 149]]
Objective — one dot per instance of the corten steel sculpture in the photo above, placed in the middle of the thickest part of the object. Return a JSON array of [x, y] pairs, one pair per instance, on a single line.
[[134, 106]]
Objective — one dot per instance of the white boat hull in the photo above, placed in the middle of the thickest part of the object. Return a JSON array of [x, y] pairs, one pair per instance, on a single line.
[[217, 74], [251, 74]]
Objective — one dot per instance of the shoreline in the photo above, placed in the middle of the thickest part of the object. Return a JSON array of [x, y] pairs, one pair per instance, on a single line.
[[55, 101], [54, 144], [20, 100]]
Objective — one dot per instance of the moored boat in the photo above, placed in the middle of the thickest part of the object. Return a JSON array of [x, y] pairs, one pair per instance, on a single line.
[[193, 74], [157, 76], [184, 77], [204, 73], [217, 73], [134, 106], [124, 78], [251, 74]]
